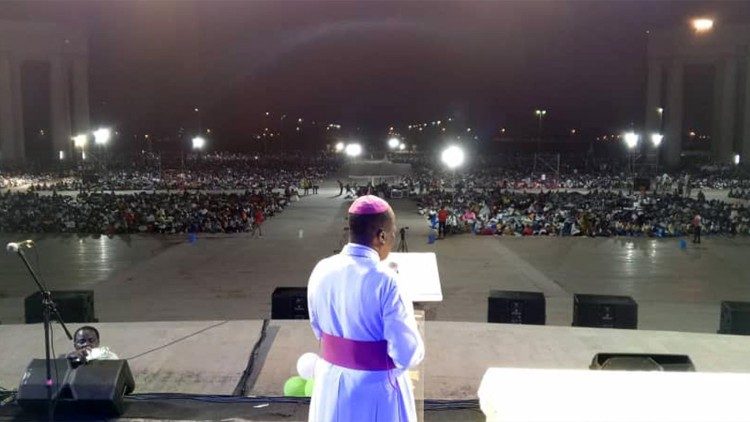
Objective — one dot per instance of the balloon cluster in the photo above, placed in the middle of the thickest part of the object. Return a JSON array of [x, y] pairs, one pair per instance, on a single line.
[[302, 385]]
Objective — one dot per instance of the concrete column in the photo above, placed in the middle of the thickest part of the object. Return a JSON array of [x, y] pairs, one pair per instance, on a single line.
[[725, 91], [653, 97], [81, 95], [59, 106], [745, 144], [7, 144], [673, 114], [16, 99]]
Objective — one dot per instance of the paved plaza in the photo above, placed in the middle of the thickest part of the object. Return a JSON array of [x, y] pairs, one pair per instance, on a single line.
[[218, 277]]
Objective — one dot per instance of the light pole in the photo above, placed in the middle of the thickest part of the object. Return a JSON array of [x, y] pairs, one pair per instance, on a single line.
[[539, 115], [200, 123], [453, 157], [631, 141]]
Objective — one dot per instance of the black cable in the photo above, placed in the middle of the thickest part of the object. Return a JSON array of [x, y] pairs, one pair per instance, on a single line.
[[241, 387]]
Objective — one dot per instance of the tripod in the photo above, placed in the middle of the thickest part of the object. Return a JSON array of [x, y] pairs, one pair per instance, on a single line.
[[49, 309], [402, 247]]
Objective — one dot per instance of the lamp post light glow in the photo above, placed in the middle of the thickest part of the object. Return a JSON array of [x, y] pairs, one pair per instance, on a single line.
[[736, 159], [353, 150], [79, 141], [402, 147], [102, 136], [393, 143], [452, 157], [339, 147], [703, 24], [199, 143], [61, 155], [656, 139], [631, 140]]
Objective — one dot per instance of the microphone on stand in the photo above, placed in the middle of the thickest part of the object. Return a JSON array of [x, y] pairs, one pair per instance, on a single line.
[[13, 247]]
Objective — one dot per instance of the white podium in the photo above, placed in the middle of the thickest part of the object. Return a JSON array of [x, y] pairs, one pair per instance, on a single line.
[[418, 275]]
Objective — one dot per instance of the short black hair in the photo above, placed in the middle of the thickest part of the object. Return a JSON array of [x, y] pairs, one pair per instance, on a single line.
[[363, 227], [87, 327]]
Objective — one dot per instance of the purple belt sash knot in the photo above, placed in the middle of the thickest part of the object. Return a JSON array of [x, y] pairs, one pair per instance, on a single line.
[[354, 354]]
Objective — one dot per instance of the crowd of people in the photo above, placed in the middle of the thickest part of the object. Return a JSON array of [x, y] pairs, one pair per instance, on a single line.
[[143, 212], [563, 213]]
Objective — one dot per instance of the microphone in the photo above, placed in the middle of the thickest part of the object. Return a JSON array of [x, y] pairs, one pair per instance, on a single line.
[[15, 246]]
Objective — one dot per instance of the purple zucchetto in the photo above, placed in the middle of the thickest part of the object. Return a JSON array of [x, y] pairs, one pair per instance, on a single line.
[[367, 205]]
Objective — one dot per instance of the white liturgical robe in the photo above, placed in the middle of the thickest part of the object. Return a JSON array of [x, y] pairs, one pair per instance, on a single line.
[[355, 296]]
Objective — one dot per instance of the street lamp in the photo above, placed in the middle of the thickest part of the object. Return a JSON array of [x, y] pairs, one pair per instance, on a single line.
[[199, 143], [339, 146], [393, 143], [453, 157], [539, 115], [79, 141], [736, 159], [102, 136], [402, 146], [353, 150], [703, 24], [656, 139]]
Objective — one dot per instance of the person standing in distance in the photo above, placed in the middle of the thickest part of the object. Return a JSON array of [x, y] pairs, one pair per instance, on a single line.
[[366, 327]]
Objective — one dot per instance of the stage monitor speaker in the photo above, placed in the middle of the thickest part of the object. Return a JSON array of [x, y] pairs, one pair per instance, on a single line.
[[642, 362], [641, 183], [602, 311], [515, 307], [74, 306], [96, 388], [289, 303], [735, 318]]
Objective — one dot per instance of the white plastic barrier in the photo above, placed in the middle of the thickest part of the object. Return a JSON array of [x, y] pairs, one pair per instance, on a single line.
[[557, 395]]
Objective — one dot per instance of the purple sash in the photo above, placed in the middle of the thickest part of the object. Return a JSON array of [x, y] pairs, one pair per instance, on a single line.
[[354, 354]]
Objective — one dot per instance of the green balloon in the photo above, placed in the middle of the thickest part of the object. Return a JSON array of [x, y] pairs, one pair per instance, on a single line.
[[309, 387], [295, 387]]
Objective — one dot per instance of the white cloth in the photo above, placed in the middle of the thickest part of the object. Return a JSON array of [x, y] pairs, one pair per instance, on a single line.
[[353, 295]]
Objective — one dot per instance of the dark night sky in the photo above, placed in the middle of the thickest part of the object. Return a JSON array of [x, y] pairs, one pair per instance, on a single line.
[[369, 63]]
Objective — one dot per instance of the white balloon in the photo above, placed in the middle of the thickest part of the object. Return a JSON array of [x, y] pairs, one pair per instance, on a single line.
[[306, 365]]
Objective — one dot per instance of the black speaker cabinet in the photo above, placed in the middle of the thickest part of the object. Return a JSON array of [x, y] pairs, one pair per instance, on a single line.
[[513, 307], [642, 362], [735, 318], [601, 311], [73, 305], [96, 388], [289, 303]]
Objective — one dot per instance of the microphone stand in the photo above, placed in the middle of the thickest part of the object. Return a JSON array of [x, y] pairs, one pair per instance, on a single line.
[[48, 308]]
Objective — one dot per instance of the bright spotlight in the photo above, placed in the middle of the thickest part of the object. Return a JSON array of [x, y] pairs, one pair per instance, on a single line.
[[736, 159], [339, 147], [102, 136], [79, 141], [656, 139], [61, 155], [353, 150], [199, 143], [402, 147], [453, 157], [703, 24], [393, 143], [631, 139]]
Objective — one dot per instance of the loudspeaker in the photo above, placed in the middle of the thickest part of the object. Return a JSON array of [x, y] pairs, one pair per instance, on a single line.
[[735, 318], [602, 311], [515, 307], [74, 306], [641, 183], [642, 362], [96, 388], [289, 303]]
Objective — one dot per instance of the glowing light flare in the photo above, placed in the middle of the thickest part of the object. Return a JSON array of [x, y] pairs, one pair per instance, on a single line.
[[79, 141], [393, 143], [199, 143], [656, 139], [631, 139], [703, 24], [339, 147], [102, 136], [353, 150], [453, 156]]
